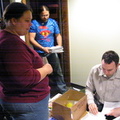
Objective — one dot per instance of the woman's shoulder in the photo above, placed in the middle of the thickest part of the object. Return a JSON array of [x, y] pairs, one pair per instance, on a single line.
[[11, 38]]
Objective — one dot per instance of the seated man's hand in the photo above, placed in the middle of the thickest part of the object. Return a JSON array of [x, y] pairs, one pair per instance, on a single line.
[[114, 112], [93, 108]]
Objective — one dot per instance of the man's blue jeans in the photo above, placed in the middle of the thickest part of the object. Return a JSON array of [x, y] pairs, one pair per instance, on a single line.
[[56, 78], [28, 111]]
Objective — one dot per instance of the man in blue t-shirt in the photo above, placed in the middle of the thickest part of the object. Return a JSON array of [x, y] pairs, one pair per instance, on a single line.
[[43, 32]]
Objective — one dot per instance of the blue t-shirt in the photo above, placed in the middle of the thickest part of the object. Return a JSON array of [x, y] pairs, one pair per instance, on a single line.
[[44, 32]]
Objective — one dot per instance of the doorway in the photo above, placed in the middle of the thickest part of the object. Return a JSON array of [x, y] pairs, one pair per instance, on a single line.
[[59, 12]]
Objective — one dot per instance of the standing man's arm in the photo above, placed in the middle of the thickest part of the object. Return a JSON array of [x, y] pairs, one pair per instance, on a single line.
[[33, 41], [59, 39], [36, 44]]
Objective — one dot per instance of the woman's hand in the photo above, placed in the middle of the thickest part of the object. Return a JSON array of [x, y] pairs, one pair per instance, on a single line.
[[45, 70]]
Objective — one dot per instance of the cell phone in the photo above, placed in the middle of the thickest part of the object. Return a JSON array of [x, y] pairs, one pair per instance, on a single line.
[[109, 117]]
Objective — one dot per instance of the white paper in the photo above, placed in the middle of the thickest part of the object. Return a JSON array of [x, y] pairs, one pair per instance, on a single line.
[[101, 115], [56, 49], [90, 116], [108, 106], [55, 97], [118, 118]]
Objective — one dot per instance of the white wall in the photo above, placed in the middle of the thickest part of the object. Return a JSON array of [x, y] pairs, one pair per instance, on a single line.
[[15, 0], [94, 27]]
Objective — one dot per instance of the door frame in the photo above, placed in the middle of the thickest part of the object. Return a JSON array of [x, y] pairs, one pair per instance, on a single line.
[[65, 36]]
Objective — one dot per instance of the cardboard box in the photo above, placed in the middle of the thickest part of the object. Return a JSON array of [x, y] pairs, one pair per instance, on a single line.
[[61, 111]]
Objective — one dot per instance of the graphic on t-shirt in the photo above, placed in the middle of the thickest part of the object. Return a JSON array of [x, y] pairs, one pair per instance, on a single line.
[[45, 33], [43, 27]]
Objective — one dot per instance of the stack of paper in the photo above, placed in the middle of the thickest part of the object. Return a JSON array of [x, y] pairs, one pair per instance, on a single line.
[[90, 116], [56, 49], [101, 115], [118, 118], [109, 106]]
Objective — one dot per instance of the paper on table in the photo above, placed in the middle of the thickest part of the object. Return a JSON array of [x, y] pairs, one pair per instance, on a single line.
[[109, 106], [118, 118], [101, 115], [55, 97], [90, 116]]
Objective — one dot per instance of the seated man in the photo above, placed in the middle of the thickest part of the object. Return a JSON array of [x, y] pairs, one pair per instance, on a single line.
[[103, 83]]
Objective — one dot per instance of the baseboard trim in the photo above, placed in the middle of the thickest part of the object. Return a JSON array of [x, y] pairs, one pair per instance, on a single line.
[[77, 86]]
